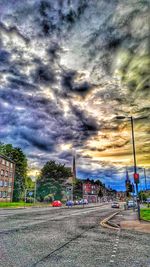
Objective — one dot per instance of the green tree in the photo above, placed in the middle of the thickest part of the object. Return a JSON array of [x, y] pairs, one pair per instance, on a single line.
[[51, 180], [29, 184], [100, 193], [78, 189], [17, 155]]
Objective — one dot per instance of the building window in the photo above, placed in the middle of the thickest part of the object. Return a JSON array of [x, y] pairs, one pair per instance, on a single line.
[[11, 174], [4, 194], [0, 194], [1, 183], [2, 172], [5, 183], [10, 183], [11, 165], [6, 174], [7, 163], [3, 161]]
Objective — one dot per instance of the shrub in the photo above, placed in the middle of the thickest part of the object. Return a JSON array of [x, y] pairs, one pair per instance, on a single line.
[[29, 200], [48, 198]]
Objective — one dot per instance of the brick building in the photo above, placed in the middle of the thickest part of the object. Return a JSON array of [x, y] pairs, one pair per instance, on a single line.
[[90, 192], [7, 172]]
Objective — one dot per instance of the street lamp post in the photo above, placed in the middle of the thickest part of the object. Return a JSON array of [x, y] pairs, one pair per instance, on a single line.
[[145, 179], [35, 185], [134, 157]]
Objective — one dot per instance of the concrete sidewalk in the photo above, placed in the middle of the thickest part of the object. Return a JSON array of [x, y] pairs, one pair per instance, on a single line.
[[128, 219]]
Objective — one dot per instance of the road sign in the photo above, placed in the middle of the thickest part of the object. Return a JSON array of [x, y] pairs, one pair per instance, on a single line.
[[136, 178]]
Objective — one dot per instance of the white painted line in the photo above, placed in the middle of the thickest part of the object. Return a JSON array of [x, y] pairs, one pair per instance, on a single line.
[[111, 260], [113, 255]]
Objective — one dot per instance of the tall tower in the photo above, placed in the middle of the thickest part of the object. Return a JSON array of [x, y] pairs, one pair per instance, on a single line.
[[74, 166]]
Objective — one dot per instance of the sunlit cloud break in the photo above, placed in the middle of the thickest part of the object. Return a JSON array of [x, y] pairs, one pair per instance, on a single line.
[[67, 69]]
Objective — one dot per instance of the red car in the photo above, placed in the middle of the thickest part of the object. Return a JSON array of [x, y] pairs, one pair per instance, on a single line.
[[56, 203]]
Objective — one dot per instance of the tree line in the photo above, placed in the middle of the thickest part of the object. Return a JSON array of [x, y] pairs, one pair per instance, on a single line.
[[52, 179]]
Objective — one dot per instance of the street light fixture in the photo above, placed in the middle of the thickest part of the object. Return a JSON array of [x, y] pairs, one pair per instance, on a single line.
[[136, 175]]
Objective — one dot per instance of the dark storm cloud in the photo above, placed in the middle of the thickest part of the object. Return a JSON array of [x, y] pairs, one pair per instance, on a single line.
[[20, 83], [70, 85], [56, 17], [38, 141], [45, 49], [87, 123], [4, 57], [44, 75], [53, 51], [65, 155]]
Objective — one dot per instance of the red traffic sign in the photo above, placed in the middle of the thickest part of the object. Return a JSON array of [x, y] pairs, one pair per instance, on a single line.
[[136, 177]]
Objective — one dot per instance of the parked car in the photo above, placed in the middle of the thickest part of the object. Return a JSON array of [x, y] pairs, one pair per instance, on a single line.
[[83, 202], [69, 203], [115, 205], [131, 204], [56, 203]]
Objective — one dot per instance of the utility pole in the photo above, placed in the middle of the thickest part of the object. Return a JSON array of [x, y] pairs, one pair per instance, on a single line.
[[135, 167], [145, 179], [35, 189], [73, 172], [136, 175]]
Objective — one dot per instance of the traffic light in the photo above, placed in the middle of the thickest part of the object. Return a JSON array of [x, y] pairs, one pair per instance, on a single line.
[[129, 187], [136, 178]]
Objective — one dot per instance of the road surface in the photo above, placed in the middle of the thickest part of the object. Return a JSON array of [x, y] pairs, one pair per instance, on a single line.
[[68, 237]]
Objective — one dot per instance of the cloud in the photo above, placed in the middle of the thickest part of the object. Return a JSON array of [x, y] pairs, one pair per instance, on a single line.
[[67, 69], [69, 84]]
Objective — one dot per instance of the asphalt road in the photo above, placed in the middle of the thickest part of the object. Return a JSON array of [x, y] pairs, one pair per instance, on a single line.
[[59, 237]]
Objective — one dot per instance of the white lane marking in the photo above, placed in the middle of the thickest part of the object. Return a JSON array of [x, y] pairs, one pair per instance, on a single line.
[[58, 217], [115, 247]]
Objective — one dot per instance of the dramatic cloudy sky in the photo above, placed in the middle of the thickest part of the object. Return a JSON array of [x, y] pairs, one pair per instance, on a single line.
[[67, 69]]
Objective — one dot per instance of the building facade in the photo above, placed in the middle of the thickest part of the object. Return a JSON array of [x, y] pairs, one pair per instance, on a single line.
[[7, 172], [90, 192]]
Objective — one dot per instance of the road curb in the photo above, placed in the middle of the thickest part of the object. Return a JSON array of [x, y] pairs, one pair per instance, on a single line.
[[142, 220], [105, 222]]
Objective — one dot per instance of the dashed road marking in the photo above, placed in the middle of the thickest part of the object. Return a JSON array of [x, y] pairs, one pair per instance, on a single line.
[[112, 259]]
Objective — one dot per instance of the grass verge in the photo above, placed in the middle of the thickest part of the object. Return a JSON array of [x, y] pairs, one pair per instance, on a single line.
[[145, 214], [20, 204]]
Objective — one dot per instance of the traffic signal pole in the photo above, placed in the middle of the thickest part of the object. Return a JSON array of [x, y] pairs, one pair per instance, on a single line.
[[145, 179], [135, 166]]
